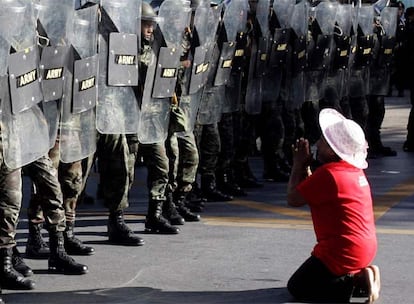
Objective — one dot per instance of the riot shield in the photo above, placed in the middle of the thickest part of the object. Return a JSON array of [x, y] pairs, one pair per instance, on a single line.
[[365, 39], [117, 109], [211, 105], [78, 129], [342, 37], [25, 135], [388, 23], [262, 16], [175, 20], [281, 38], [234, 20], [299, 25], [24, 128], [202, 18], [54, 21], [320, 55]]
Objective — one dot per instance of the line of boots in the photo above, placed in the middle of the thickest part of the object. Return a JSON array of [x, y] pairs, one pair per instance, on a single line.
[[37, 248], [14, 272]]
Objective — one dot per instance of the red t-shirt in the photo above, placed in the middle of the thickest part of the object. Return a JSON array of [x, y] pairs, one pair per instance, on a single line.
[[340, 201]]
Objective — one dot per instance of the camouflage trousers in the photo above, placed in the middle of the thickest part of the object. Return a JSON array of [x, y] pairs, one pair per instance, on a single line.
[[10, 202], [116, 155], [183, 160], [45, 203], [157, 163], [208, 143], [54, 182]]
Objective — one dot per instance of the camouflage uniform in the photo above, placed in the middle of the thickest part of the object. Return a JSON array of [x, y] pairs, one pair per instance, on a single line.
[[116, 155], [46, 201], [10, 202]]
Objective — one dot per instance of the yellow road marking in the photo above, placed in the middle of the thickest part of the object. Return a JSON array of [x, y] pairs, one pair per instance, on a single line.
[[300, 213], [392, 197], [282, 224]]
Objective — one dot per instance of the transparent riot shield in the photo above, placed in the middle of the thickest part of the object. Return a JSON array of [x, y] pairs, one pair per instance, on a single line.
[[117, 108], [320, 54], [25, 135], [342, 37], [365, 38], [54, 21], [202, 19], [282, 11], [214, 16], [78, 129], [341, 51], [24, 128], [299, 25], [234, 20], [258, 60], [262, 16], [176, 18], [211, 105], [380, 71], [388, 23]]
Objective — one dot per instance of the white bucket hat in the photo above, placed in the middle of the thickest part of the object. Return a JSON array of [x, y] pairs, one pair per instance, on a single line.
[[345, 137]]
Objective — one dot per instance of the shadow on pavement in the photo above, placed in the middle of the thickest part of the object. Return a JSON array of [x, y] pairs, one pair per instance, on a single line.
[[151, 296]]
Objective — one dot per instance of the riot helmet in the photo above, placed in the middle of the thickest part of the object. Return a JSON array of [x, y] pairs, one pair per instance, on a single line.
[[148, 13]]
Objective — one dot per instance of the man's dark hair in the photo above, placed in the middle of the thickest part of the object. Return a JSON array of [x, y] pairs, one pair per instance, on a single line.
[[409, 12]]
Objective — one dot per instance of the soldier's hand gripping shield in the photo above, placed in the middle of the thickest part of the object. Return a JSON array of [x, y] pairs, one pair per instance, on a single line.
[[162, 60], [78, 128], [24, 127], [117, 108], [280, 47], [234, 20]]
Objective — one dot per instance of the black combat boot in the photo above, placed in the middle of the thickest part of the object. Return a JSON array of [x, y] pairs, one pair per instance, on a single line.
[[36, 247], [244, 176], [9, 277], [119, 233], [226, 183], [19, 265], [59, 260], [194, 200], [155, 222], [73, 245], [210, 191], [169, 211], [180, 202]]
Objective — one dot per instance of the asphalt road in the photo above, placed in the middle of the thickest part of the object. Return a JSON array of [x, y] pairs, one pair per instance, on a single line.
[[242, 251]]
